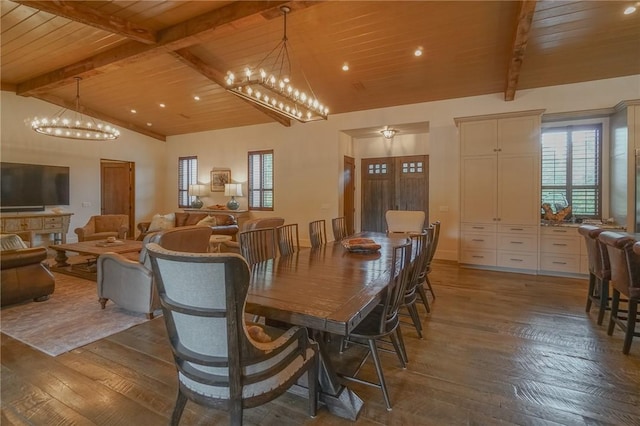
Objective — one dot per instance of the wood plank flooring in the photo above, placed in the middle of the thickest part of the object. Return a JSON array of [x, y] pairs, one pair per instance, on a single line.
[[498, 349]]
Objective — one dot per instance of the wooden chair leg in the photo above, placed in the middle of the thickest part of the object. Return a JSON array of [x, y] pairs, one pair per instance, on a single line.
[[429, 286], [423, 297], [604, 299], [413, 312], [631, 326], [181, 401], [615, 303], [312, 379], [591, 291]]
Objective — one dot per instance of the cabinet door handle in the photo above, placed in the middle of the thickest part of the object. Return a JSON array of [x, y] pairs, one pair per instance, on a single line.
[[559, 263], [477, 239], [559, 244], [562, 231], [515, 242], [516, 260], [517, 229], [477, 227], [478, 257]]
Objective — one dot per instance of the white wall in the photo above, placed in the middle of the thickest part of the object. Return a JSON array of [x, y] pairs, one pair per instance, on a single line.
[[308, 157], [20, 144]]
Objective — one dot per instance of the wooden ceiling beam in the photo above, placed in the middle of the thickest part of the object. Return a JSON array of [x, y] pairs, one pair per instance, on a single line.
[[523, 28], [89, 16], [70, 105], [178, 36], [217, 76]]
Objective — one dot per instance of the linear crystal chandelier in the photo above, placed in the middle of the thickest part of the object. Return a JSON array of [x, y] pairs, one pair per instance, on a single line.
[[268, 85], [74, 126]]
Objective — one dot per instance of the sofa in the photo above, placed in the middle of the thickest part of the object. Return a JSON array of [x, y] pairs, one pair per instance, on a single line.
[[220, 223], [23, 275]]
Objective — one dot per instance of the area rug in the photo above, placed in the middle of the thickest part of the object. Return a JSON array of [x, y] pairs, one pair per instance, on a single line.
[[71, 318]]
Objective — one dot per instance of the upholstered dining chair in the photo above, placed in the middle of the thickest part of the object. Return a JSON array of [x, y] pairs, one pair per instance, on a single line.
[[599, 270], [339, 226], [287, 236], [624, 282], [219, 364], [383, 321], [258, 245], [103, 227], [318, 233], [405, 221], [129, 283]]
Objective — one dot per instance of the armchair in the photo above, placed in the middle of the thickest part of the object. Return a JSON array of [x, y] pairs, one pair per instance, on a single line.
[[129, 283], [218, 363], [103, 227]]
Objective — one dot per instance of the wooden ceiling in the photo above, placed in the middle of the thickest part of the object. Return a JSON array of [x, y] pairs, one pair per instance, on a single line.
[[138, 54]]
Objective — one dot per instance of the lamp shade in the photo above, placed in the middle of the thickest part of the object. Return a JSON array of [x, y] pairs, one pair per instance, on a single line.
[[233, 189], [198, 190]]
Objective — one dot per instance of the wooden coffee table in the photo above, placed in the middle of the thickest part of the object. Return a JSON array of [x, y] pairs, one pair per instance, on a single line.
[[93, 249]]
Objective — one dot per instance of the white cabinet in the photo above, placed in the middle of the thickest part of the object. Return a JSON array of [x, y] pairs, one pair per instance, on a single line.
[[561, 250], [500, 190]]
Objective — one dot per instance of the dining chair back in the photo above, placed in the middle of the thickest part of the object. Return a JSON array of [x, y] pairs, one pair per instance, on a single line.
[[258, 245], [405, 221], [287, 237], [318, 233], [219, 364], [420, 251], [599, 270], [339, 226], [619, 246], [383, 321]]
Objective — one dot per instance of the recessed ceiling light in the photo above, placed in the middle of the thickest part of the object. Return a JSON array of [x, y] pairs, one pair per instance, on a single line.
[[629, 10], [418, 51], [133, 111], [197, 98], [162, 105], [345, 67]]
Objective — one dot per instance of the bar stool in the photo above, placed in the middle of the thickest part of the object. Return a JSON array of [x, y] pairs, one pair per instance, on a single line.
[[625, 280], [599, 271]]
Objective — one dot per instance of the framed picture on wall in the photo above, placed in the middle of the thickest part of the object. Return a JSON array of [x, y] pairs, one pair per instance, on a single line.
[[218, 178]]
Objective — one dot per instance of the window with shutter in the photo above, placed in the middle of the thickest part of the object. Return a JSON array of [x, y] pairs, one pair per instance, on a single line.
[[261, 180], [187, 175], [572, 169]]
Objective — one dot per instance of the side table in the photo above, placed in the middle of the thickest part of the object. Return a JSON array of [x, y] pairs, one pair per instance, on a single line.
[[216, 240]]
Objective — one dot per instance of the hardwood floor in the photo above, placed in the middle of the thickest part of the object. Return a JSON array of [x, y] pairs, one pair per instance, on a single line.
[[499, 349]]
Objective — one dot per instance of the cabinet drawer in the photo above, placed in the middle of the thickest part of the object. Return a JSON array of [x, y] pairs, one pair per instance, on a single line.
[[517, 242], [478, 227], [479, 257], [559, 231], [53, 225], [560, 245], [509, 259], [53, 220], [518, 229], [560, 263], [479, 241]]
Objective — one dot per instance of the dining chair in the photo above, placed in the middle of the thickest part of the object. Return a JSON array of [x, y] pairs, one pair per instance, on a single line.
[[405, 221], [318, 233], [383, 321], [433, 245], [599, 271], [287, 237], [219, 363], [419, 255], [625, 281], [258, 245], [339, 226]]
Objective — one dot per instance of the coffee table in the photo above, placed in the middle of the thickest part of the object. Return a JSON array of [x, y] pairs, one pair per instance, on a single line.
[[93, 249]]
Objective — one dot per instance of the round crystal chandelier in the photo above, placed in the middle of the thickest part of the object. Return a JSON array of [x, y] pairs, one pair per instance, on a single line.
[[76, 126]]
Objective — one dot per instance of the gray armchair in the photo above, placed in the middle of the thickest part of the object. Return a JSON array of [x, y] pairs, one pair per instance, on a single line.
[[219, 363], [129, 283]]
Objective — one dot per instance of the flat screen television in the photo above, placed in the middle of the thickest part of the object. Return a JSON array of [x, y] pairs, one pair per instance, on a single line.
[[31, 187]]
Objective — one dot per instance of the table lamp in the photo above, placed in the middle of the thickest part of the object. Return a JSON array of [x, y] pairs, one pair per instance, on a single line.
[[198, 190], [231, 190]]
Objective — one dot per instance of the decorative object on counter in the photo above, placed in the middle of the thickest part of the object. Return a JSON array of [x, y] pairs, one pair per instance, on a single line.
[[361, 245], [217, 207], [198, 190], [219, 178], [232, 190], [559, 216]]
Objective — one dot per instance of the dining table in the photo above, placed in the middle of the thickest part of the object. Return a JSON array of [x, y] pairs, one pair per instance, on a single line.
[[329, 290]]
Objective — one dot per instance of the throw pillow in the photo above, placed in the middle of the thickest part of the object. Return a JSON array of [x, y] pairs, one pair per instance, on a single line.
[[161, 222], [209, 221], [11, 242]]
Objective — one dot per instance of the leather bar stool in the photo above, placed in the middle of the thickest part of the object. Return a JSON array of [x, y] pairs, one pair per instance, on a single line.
[[625, 281], [599, 271]]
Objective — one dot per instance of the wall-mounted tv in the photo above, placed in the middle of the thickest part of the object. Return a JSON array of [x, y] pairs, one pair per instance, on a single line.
[[31, 187]]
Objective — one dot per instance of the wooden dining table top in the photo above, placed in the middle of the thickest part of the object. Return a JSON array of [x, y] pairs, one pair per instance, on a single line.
[[327, 288]]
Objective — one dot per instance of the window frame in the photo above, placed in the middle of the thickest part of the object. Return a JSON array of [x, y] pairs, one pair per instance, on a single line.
[[191, 163], [262, 189], [568, 127]]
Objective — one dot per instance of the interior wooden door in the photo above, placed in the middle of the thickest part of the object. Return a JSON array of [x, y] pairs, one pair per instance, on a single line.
[[348, 192], [393, 183], [117, 190]]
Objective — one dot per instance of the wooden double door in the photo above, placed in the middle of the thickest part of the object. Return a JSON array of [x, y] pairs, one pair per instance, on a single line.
[[393, 183]]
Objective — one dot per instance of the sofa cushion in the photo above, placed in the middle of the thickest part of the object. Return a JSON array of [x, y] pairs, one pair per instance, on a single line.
[[161, 222], [194, 218], [208, 221]]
